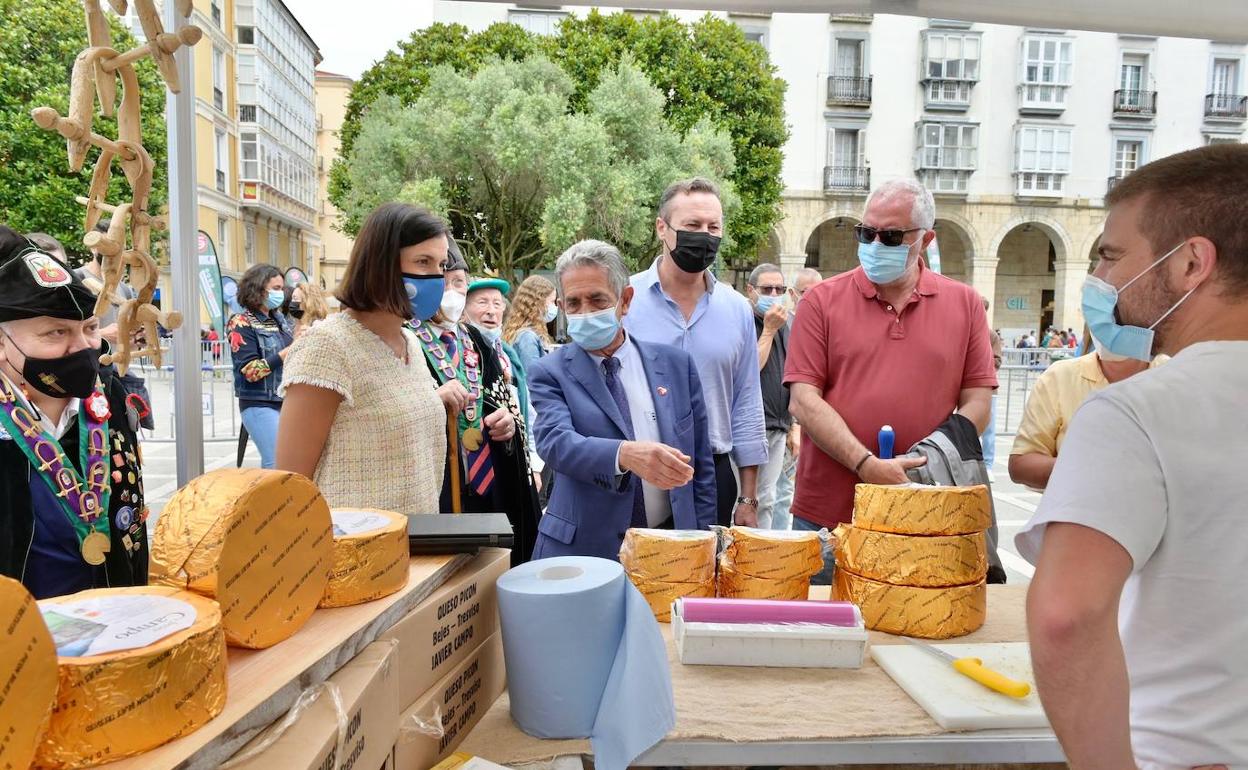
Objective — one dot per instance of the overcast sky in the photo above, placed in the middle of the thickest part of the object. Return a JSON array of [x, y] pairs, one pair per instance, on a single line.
[[356, 33]]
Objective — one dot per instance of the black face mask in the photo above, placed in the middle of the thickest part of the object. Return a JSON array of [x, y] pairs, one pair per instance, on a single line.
[[295, 311], [695, 251], [73, 375]]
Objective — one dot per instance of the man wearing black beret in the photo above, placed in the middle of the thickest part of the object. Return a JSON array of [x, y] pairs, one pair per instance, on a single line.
[[71, 489]]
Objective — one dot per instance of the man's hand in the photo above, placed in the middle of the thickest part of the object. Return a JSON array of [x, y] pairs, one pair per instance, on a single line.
[[793, 441], [454, 397], [877, 471], [537, 482], [109, 333], [659, 464], [775, 318], [745, 515], [500, 425]]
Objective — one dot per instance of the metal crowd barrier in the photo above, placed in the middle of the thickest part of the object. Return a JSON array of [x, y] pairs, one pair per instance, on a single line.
[[218, 405]]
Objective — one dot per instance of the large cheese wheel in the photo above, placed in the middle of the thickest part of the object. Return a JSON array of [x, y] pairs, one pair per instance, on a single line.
[[930, 613], [935, 561], [669, 556], [779, 555], [370, 556], [917, 509], [118, 704], [257, 541], [731, 584], [661, 595], [27, 675]]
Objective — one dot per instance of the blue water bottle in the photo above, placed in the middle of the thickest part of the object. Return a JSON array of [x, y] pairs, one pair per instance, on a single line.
[[886, 443]]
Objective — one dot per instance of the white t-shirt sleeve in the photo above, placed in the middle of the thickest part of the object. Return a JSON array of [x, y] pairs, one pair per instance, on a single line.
[[1107, 478]]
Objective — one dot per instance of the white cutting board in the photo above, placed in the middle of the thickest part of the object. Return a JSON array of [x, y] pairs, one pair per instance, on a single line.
[[959, 703]]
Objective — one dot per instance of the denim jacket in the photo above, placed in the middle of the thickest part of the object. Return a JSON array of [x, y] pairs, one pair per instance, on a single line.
[[255, 344]]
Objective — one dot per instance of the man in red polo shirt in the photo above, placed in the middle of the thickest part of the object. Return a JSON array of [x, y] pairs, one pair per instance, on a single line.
[[888, 343]]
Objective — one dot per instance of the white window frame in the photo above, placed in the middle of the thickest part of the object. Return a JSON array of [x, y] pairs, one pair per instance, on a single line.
[[218, 76], [757, 27], [249, 243], [858, 39], [945, 35], [1223, 139], [942, 168], [860, 144], [525, 18], [1041, 166], [1141, 158], [1046, 87], [223, 237]]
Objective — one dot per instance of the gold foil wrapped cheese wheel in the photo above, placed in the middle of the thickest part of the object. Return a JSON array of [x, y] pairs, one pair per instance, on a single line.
[[27, 675], [778, 555], [731, 584], [916, 509], [257, 541], [138, 667], [370, 556], [661, 595], [936, 561], [669, 556], [929, 613]]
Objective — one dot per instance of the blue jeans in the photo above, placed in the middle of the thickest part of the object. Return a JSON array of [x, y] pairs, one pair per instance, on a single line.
[[989, 439], [768, 487], [781, 517], [261, 423], [824, 578]]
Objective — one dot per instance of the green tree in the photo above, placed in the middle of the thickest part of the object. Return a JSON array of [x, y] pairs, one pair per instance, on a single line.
[[705, 71], [520, 174], [39, 41]]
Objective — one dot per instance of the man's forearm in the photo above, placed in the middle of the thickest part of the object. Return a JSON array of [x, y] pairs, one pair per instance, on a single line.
[[749, 480], [975, 404], [824, 426], [1032, 469], [764, 347]]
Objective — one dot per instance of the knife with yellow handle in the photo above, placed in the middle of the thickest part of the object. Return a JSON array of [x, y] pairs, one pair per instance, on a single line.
[[973, 668]]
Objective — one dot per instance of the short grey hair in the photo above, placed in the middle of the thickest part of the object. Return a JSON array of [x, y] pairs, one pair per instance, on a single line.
[[762, 270], [924, 212], [594, 254], [808, 273], [684, 187]]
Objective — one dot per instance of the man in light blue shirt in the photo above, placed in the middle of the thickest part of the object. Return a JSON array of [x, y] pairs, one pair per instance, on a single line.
[[678, 302]]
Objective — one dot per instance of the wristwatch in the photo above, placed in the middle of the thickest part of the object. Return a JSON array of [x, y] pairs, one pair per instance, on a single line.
[[747, 501]]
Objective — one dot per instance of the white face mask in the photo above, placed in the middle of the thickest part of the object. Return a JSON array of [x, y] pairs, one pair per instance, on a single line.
[[453, 305]]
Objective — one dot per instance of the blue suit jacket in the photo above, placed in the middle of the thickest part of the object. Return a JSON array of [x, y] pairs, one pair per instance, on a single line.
[[579, 430]]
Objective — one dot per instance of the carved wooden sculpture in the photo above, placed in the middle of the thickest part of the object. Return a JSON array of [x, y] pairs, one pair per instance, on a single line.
[[128, 242]]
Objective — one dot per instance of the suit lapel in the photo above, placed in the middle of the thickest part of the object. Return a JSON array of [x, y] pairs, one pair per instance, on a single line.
[[584, 368], [657, 377]]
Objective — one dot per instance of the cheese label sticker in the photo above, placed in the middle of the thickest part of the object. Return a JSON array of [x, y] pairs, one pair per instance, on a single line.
[[114, 623], [348, 523]]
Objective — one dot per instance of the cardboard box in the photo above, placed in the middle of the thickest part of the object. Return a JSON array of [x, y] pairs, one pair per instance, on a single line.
[[448, 626], [459, 700], [371, 704]]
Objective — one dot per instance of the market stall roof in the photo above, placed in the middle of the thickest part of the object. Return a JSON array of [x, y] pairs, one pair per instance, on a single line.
[[1224, 20]]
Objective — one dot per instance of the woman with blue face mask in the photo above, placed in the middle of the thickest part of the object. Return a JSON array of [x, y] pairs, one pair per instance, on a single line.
[[260, 338]]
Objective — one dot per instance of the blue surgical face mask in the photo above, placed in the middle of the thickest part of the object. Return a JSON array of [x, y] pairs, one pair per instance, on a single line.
[[491, 335], [424, 292], [765, 303], [1100, 300], [274, 299], [594, 331], [884, 264], [551, 314]]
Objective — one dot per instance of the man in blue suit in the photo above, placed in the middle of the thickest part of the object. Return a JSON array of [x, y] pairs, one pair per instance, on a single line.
[[621, 422]]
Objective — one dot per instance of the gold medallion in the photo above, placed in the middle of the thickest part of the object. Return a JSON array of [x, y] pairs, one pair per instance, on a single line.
[[472, 439], [94, 546]]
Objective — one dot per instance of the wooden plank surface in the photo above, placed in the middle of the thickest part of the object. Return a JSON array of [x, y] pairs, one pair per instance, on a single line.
[[264, 683]]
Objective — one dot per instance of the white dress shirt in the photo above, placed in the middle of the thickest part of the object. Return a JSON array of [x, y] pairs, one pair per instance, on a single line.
[[645, 422]]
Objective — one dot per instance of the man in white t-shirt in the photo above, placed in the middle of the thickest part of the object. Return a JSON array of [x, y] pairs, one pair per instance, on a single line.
[[1138, 612]]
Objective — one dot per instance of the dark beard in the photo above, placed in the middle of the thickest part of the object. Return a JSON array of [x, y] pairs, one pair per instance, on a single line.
[[1154, 299]]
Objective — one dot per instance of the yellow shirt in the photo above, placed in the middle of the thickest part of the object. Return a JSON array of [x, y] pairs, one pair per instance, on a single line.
[[1055, 397]]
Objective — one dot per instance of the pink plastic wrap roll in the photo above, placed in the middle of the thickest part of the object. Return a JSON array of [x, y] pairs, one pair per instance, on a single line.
[[767, 611]]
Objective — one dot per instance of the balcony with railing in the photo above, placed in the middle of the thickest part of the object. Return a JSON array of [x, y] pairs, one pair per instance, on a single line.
[[849, 90], [846, 179], [1135, 104], [947, 94], [1037, 98], [1226, 107]]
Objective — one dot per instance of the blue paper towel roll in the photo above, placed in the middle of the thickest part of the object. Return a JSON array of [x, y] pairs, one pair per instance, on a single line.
[[585, 657]]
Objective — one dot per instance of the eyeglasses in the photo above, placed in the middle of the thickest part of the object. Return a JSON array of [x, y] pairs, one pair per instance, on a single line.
[[772, 291], [866, 234]]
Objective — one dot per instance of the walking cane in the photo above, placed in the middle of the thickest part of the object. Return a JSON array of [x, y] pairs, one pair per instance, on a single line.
[[452, 432]]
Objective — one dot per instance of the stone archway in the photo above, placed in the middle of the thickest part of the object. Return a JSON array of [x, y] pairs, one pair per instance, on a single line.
[[831, 248], [955, 248], [1026, 280]]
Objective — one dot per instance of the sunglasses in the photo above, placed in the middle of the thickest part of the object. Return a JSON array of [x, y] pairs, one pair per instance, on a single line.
[[773, 291], [866, 234]]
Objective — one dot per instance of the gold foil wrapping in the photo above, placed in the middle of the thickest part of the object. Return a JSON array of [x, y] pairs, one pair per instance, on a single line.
[[661, 595], [777, 555], [937, 561], [258, 541], [124, 703], [368, 565], [28, 678], [929, 613], [669, 556], [915, 509], [733, 585]]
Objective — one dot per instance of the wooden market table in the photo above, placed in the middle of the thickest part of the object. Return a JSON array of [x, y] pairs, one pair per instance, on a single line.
[[733, 716]]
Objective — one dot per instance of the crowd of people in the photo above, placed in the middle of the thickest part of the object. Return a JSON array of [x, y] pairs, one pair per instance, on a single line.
[[675, 401]]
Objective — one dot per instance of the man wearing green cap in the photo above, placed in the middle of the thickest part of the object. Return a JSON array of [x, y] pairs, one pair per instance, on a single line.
[[71, 491]]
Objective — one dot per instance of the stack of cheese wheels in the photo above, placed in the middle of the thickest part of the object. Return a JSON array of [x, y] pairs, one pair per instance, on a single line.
[[916, 558], [370, 556], [138, 667], [27, 675], [668, 564], [257, 541], [769, 564]]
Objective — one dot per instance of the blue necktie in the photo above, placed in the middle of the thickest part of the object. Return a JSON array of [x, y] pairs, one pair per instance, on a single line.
[[611, 366]]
